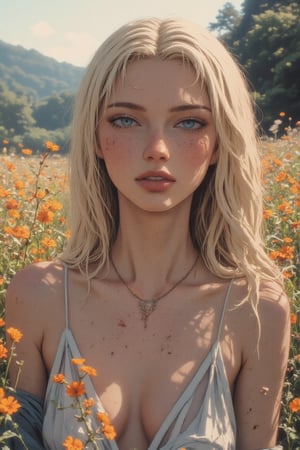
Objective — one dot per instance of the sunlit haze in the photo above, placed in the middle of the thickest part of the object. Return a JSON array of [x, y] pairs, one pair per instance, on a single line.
[[71, 30]]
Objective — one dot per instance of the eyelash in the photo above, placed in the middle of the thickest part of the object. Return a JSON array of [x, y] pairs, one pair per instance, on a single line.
[[199, 123], [114, 120]]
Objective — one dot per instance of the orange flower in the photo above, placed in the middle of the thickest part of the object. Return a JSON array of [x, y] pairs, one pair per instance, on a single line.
[[282, 114], [295, 404], [12, 204], [3, 192], [41, 194], [59, 378], [2, 321], [44, 215], [277, 162], [267, 213], [76, 389], [11, 167], [285, 252], [71, 443], [285, 207], [14, 334], [8, 405], [26, 151], [20, 232], [295, 225], [51, 146], [297, 358], [54, 205], [1, 284], [281, 177], [293, 318], [107, 428], [88, 403], [48, 243], [298, 123], [109, 432], [103, 418], [77, 361], [14, 213], [3, 351], [19, 184], [88, 370]]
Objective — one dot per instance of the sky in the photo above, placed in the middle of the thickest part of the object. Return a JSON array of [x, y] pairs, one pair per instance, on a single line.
[[72, 30]]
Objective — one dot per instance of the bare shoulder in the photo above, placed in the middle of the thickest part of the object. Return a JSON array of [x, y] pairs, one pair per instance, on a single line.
[[33, 291], [273, 300], [36, 277], [34, 304], [273, 310]]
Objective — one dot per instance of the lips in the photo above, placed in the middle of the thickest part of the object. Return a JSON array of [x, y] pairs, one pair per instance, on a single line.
[[155, 176], [155, 181]]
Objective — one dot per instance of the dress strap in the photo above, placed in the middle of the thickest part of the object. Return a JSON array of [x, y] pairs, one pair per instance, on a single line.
[[224, 309], [66, 279]]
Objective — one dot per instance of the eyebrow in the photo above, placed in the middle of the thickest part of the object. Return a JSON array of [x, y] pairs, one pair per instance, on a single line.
[[184, 107]]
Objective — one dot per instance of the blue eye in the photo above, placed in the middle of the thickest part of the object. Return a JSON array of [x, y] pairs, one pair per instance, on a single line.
[[191, 124], [123, 122]]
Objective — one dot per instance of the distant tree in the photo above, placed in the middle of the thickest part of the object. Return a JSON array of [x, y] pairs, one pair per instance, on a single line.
[[227, 20], [266, 41], [54, 112], [270, 52], [15, 111]]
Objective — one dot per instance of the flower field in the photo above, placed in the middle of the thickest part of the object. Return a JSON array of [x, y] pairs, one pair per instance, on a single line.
[[33, 227]]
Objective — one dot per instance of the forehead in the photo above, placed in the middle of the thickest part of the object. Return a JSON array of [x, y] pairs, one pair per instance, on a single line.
[[160, 80]]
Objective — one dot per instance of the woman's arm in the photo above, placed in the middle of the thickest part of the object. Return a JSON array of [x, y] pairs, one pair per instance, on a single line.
[[258, 388], [24, 310]]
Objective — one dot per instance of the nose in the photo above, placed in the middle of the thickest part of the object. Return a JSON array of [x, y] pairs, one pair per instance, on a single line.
[[157, 148]]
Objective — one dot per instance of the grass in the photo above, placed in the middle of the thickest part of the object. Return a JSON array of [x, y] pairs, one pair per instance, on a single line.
[[34, 228]]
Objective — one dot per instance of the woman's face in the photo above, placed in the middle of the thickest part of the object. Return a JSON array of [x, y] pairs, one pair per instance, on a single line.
[[157, 135]]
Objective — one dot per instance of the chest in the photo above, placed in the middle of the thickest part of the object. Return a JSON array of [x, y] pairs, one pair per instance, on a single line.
[[140, 368]]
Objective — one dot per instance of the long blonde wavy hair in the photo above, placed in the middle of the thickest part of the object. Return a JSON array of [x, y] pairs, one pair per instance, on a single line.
[[226, 213]]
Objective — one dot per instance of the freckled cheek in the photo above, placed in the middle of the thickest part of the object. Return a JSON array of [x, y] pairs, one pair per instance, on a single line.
[[114, 148], [198, 151]]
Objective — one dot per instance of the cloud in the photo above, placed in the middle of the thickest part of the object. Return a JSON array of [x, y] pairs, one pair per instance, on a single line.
[[42, 29], [76, 48]]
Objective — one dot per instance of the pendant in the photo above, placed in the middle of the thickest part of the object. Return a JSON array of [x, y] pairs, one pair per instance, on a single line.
[[146, 307]]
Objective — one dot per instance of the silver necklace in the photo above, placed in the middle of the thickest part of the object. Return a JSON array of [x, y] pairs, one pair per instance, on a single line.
[[147, 307]]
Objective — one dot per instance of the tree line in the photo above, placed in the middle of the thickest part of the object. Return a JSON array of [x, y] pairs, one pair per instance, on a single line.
[[264, 36]]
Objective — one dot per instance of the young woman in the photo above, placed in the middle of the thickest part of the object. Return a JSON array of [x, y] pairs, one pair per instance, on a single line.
[[165, 287]]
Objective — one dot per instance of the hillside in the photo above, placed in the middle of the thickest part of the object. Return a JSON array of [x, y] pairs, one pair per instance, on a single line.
[[35, 75]]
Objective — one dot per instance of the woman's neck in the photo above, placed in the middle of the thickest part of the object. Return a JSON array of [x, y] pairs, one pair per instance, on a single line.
[[153, 249]]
